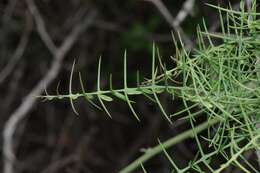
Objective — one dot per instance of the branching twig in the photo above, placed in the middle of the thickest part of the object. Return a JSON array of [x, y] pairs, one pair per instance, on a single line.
[[175, 22], [58, 55], [183, 13], [41, 26]]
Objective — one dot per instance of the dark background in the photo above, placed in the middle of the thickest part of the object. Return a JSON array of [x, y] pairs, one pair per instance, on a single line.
[[51, 137]]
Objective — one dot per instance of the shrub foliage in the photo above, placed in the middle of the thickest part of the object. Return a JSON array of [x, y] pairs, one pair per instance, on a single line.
[[220, 80]]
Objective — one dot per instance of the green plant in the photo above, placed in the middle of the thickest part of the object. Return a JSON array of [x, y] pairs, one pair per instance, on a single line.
[[221, 79]]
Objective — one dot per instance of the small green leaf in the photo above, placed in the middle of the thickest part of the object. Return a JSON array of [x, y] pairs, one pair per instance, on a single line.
[[74, 96], [49, 98], [159, 90], [133, 92], [208, 105], [106, 98], [119, 95], [89, 96]]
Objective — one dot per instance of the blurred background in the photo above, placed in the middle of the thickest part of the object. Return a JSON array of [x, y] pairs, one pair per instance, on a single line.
[[40, 39]]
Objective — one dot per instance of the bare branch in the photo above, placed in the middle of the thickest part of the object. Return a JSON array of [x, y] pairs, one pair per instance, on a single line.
[[170, 19], [183, 13], [58, 55], [41, 26], [13, 85]]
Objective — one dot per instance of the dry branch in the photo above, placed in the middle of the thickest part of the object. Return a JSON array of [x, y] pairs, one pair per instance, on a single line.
[[175, 22], [58, 55]]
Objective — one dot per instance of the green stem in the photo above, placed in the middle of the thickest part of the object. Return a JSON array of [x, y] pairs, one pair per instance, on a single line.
[[169, 143], [133, 90]]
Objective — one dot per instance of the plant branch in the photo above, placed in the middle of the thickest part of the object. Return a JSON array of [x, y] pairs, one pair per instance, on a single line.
[[169, 143], [41, 28]]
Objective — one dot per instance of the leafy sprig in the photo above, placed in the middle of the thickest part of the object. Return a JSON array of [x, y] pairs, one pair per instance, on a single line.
[[221, 79]]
